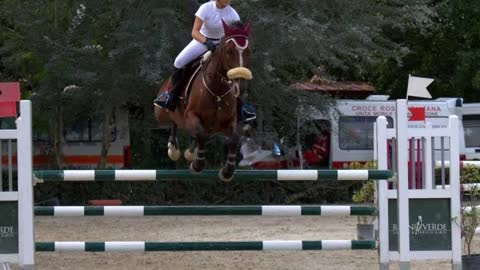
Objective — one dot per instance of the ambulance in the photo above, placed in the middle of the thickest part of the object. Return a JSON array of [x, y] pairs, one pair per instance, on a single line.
[[351, 130], [471, 127]]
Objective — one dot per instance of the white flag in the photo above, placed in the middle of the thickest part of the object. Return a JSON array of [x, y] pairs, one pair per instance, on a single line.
[[417, 87]]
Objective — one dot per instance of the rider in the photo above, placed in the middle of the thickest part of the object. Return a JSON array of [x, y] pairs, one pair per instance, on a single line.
[[206, 33]]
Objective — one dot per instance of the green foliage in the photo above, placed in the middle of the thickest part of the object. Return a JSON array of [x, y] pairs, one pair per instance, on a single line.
[[449, 53], [82, 58], [291, 39], [470, 211], [366, 194]]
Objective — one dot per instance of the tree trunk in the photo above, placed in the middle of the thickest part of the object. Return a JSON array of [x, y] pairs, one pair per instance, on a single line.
[[106, 137], [58, 136]]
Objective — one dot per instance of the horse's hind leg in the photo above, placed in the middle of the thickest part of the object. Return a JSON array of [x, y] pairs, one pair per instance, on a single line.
[[225, 144], [197, 131], [226, 173], [191, 152], [173, 151]]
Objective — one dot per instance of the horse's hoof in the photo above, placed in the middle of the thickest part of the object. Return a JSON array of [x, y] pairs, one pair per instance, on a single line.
[[193, 170], [223, 177], [189, 155], [173, 154]]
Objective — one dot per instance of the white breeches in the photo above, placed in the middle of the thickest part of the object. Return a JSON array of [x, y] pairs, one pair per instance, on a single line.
[[193, 50]]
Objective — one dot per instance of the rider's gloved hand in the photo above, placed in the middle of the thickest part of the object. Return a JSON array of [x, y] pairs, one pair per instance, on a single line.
[[210, 45]]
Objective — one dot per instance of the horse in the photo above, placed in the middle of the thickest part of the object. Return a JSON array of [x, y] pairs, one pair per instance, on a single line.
[[209, 104]]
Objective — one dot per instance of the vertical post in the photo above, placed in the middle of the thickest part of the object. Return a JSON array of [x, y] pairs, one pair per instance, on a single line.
[[402, 185], [428, 160], [412, 181], [1, 166], [442, 157], [455, 196], [25, 187], [381, 156], [418, 165], [299, 145], [10, 166], [434, 163]]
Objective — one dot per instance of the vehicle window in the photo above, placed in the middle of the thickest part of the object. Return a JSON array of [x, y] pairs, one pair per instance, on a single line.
[[356, 132], [79, 131], [471, 129], [89, 130]]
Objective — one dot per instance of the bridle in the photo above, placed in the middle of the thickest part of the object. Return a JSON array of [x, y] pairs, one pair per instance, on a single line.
[[234, 87]]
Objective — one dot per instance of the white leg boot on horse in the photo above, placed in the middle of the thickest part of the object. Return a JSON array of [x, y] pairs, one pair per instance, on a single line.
[[192, 151]]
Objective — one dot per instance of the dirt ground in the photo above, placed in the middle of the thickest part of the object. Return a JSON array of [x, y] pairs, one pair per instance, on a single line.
[[208, 229]]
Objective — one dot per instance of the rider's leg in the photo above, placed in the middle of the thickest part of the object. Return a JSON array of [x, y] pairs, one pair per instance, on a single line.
[[168, 99], [246, 115]]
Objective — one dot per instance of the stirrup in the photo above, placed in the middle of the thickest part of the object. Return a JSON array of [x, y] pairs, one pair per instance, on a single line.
[[247, 112], [276, 150], [163, 100]]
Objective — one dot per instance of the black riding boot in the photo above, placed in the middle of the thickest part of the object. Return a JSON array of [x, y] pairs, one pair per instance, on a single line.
[[168, 99]]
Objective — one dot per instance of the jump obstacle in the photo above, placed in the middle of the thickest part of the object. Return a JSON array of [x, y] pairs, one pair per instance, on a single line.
[[270, 245], [247, 210], [395, 238], [182, 175]]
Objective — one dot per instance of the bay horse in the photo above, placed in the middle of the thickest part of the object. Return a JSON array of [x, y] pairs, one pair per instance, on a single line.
[[209, 105]]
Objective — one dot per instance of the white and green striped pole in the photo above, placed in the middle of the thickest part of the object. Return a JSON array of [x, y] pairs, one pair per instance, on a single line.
[[269, 245], [235, 210], [242, 175]]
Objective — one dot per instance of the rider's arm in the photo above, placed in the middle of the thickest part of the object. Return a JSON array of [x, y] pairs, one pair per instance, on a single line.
[[196, 30]]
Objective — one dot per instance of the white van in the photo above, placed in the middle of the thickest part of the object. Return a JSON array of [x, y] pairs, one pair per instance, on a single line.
[[471, 127], [351, 132], [350, 135]]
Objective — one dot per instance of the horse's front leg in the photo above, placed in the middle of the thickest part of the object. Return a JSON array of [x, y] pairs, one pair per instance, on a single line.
[[225, 146], [226, 173], [197, 131]]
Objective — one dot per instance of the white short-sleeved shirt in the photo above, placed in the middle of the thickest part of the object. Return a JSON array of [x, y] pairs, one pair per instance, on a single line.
[[212, 19]]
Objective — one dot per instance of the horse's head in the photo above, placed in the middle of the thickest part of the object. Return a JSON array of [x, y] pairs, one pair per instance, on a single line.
[[234, 53]]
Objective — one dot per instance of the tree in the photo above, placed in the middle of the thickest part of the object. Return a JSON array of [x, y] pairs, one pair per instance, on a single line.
[[86, 57], [36, 51], [449, 53], [291, 39]]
